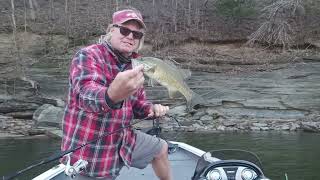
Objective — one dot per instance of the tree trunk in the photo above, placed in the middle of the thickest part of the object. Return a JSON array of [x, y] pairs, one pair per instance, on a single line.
[[32, 10], [66, 21], [117, 5], [175, 17], [14, 36], [189, 14], [25, 15]]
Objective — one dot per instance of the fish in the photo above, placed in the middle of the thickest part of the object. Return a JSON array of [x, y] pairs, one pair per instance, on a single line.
[[171, 77]]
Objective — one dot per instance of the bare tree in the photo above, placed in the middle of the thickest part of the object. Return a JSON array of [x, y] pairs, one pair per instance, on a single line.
[[175, 17], [25, 15], [189, 13], [67, 22], [75, 6], [33, 4], [14, 36], [19, 68], [107, 9], [51, 26], [117, 5], [280, 25]]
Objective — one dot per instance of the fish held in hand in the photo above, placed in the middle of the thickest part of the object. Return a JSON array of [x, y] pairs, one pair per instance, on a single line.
[[169, 76]]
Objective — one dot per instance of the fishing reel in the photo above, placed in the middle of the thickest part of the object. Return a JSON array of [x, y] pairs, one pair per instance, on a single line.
[[156, 131], [156, 128], [76, 168]]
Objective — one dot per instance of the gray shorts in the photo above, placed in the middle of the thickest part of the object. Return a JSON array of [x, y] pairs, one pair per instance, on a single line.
[[146, 149]]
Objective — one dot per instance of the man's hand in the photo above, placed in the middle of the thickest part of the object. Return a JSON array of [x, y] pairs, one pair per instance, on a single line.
[[158, 110], [125, 84]]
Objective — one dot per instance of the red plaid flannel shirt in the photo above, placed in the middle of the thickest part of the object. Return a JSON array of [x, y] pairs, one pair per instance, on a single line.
[[87, 116]]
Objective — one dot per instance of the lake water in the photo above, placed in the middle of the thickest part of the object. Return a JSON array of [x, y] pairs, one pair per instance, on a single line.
[[296, 154]]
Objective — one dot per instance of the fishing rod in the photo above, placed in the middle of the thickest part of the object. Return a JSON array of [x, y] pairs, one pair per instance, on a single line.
[[61, 154]]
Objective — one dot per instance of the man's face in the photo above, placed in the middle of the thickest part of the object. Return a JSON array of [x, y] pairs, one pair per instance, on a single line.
[[125, 44]]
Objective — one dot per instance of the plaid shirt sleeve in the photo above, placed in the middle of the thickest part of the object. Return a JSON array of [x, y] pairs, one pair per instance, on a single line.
[[88, 80], [141, 107]]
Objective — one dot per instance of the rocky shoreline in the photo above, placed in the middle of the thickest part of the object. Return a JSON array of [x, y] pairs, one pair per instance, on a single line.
[[211, 119], [47, 117], [20, 117]]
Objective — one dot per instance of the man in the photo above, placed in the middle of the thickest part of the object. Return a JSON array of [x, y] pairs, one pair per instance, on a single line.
[[105, 94]]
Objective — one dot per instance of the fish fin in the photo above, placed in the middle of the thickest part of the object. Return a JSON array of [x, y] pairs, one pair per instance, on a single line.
[[135, 63], [152, 82], [173, 92], [186, 73], [152, 68], [170, 63], [196, 99]]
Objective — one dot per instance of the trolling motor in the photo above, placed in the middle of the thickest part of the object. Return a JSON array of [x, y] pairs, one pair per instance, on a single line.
[[76, 168]]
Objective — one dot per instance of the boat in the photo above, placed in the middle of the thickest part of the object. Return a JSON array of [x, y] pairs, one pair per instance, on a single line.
[[187, 163]]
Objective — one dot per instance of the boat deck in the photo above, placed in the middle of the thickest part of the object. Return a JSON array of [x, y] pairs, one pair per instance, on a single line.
[[182, 162]]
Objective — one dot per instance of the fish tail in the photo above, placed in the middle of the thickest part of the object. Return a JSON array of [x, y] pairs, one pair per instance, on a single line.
[[196, 99]]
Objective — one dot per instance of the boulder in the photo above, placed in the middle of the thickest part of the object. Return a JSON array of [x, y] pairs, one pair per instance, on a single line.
[[48, 115]]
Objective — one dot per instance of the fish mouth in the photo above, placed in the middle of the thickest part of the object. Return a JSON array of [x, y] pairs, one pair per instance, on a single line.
[[146, 66]]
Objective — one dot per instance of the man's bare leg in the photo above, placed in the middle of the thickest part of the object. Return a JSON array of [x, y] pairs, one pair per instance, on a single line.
[[161, 165]]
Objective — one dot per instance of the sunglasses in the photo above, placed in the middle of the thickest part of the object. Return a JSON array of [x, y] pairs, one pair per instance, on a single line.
[[126, 31]]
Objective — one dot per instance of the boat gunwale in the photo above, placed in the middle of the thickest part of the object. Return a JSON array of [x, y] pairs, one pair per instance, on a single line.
[[56, 170]]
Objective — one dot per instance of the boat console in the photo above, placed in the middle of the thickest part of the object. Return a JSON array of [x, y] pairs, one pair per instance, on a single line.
[[226, 165]]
